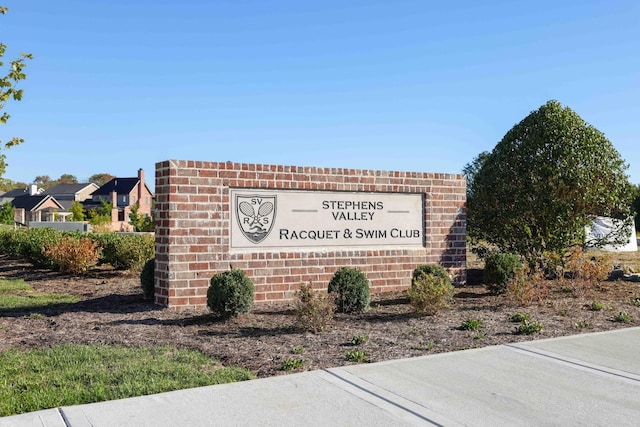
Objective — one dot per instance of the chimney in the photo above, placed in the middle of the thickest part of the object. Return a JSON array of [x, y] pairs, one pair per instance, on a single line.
[[140, 185], [33, 189], [114, 208]]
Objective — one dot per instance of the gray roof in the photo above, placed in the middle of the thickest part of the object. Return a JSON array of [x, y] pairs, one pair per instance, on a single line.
[[70, 189], [119, 185], [32, 203], [15, 193]]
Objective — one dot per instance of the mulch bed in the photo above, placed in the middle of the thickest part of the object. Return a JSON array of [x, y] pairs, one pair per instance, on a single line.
[[112, 311]]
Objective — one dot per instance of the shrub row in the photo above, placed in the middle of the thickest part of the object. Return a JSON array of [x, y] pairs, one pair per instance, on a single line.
[[505, 273], [76, 252], [232, 292]]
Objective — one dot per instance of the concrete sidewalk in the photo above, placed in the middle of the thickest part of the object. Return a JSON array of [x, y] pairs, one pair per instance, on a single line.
[[590, 379]]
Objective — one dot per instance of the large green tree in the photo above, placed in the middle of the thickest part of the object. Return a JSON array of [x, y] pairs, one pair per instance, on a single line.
[[9, 91], [546, 180], [470, 170], [636, 205]]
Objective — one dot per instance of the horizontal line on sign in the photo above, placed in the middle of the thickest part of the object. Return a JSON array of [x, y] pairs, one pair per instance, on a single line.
[[398, 211], [304, 210]]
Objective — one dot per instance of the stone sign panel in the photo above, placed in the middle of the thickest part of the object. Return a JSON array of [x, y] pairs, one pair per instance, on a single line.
[[264, 219]]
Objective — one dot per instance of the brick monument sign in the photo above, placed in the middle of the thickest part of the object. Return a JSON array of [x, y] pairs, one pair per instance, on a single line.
[[288, 225]]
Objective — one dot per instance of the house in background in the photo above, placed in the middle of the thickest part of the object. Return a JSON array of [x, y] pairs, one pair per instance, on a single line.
[[30, 190], [36, 205], [37, 208], [123, 193], [31, 204], [65, 194]]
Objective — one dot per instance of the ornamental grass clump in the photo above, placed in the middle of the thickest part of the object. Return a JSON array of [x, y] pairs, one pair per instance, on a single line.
[[351, 289], [430, 292], [230, 293]]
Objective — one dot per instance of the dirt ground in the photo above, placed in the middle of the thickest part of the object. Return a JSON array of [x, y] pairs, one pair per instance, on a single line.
[[112, 310]]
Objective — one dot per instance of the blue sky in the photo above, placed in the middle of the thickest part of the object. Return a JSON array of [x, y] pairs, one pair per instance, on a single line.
[[118, 85]]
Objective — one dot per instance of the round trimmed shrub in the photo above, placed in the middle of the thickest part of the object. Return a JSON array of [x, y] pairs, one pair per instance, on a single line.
[[429, 270], [499, 269], [351, 289], [147, 280], [230, 293]]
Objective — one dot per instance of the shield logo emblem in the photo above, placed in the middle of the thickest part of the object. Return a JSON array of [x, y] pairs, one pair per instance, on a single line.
[[255, 215]]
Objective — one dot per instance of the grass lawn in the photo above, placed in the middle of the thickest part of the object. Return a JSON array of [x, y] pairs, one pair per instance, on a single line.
[[15, 294], [74, 374]]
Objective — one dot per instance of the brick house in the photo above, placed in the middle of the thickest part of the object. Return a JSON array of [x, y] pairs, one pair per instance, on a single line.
[[123, 193]]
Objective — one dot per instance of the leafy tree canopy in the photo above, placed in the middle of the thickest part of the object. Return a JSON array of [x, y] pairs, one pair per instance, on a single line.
[[470, 170], [77, 211], [546, 180], [7, 185], [7, 213], [9, 91], [43, 181], [140, 222], [636, 205], [101, 179], [67, 179]]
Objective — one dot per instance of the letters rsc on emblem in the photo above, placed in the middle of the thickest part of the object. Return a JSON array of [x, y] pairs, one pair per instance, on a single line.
[[256, 215]]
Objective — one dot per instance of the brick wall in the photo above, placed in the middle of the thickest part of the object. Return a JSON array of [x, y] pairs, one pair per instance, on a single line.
[[193, 222]]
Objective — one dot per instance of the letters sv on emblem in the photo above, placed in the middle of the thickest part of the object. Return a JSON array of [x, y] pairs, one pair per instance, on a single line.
[[255, 215]]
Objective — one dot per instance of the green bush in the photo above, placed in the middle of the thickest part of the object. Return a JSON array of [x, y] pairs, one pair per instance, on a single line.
[[121, 251], [7, 213], [499, 269], [230, 293], [528, 328], [471, 325], [147, 279], [430, 292], [125, 251], [622, 317], [351, 289], [37, 241], [431, 269], [31, 244], [520, 317], [356, 356], [11, 240], [292, 363]]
